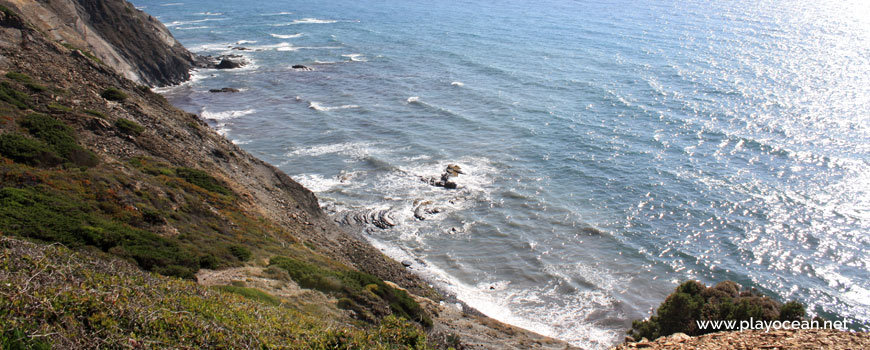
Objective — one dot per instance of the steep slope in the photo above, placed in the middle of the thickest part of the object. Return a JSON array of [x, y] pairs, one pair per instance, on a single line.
[[125, 38]]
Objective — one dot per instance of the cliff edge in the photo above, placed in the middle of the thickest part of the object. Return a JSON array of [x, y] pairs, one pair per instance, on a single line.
[[126, 39]]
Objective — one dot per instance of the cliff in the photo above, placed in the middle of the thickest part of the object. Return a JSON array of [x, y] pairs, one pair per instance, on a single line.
[[167, 223], [126, 39]]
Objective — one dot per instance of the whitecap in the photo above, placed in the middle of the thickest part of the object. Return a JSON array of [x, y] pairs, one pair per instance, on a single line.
[[173, 4], [413, 99], [355, 57], [209, 13], [313, 21], [324, 62], [277, 14], [286, 36], [242, 42], [191, 28], [457, 83], [355, 149], [319, 107]]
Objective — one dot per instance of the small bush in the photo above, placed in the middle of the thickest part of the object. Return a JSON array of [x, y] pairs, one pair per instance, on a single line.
[[97, 114], [35, 87], [202, 179], [692, 301], [113, 94], [27, 151], [19, 77], [59, 137], [57, 107], [356, 290], [14, 97], [240, 252], [129, 127]]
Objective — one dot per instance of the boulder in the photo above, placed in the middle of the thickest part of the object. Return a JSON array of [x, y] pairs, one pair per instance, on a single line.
[[229, 63]]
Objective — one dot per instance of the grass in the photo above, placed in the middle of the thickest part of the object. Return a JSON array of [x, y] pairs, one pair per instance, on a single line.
[[356, 291], [129, 127], [113, 94], [252, 294], [53, 297]]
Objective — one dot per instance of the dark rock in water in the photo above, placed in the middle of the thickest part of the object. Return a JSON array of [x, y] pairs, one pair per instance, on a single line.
[[226, 89], [299, 66], [423, 210], [452, 170], [380, 218], [228, 63], [407, 263], [239, 48]]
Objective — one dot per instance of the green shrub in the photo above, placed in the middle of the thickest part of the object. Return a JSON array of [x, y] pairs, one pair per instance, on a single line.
[[27, 151], [356, 290], [692, 301], [37, 213], [202, 179], [35, 87], [59, 137], [251, 293], [57, 107], [240, 252], [19, 77], [129, 127], [14, 97], [97, 114], [113, 94]]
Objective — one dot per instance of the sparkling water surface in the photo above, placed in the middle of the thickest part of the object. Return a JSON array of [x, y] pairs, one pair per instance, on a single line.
[[612, 148]]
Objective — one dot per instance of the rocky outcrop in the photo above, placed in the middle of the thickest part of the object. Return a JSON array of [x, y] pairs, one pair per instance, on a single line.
[[126, 39]]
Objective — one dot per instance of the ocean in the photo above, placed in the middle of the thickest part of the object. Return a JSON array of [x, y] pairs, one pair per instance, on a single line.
[[611, 149]]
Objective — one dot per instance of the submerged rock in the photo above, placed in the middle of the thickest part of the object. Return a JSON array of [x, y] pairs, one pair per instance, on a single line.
[[226, 89]]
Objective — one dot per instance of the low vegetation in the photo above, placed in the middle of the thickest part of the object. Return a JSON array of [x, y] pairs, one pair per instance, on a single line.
[[53, 297], [113, 94], [129, 127], [356, 291], [692, 301]]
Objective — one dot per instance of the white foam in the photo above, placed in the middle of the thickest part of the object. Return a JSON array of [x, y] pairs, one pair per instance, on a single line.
[[286, 36], [173, 4], [226, 115], [242, 42], [277, 14], [356, 57], [319, 107], [355, 149], [317, 183], [191, 28], [209, 13], [313, 21], [324, 62], [181, 23], [413, 99], [457, 83]]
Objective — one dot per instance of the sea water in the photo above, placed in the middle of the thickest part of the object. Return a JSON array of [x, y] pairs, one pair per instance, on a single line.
[[611, 149]]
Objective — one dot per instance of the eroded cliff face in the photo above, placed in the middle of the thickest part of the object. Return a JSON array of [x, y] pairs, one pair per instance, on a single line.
[[128, 40]]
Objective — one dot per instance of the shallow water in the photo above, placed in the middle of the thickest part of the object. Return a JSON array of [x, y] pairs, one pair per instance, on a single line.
[[611, 149]]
